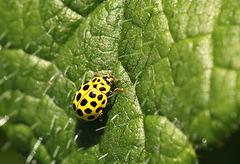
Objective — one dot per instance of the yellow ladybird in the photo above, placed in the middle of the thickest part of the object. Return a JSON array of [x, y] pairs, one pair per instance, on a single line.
[[91, 99]]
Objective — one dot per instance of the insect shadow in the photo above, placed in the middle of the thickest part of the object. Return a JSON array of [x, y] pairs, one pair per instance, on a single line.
[[90, 132]]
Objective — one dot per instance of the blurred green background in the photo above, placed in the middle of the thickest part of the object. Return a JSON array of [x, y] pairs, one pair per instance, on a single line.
[[227, 152], [7, 153]]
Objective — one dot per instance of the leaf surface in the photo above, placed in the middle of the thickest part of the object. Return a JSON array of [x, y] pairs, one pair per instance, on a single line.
[[178, 63]]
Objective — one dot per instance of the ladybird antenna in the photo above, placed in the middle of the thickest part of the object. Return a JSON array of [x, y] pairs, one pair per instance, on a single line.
[[106, 68]]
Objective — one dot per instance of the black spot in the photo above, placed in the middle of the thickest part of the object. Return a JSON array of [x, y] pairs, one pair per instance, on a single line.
[[88, 111], [85, 82], [106, 79], [101, 83], [100, 97], [98, 80], [85, 87], [94, 80], [92, 94], [79, 96], [102, 89], [84, 102], [79, 112], [74, 106], [91, 117], [95, 86], [112, 81], [93, 103], [98, 109], [103, 102], [79, 89]]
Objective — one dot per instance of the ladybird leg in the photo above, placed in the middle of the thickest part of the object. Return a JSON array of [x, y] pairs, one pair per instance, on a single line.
[[100, 117], [117, 80], [97, 75], [112, 93], [120, 80], [117, 89]]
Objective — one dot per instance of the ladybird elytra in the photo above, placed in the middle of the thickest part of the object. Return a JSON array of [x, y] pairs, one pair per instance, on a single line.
[[91, 99]]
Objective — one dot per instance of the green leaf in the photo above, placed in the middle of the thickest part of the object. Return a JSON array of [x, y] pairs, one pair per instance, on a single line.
[[178, 63]]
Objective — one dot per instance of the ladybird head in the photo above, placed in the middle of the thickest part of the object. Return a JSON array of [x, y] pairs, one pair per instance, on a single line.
[[109, 79]]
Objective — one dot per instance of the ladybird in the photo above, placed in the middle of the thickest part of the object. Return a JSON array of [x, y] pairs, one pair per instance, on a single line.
[[90, 99]]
